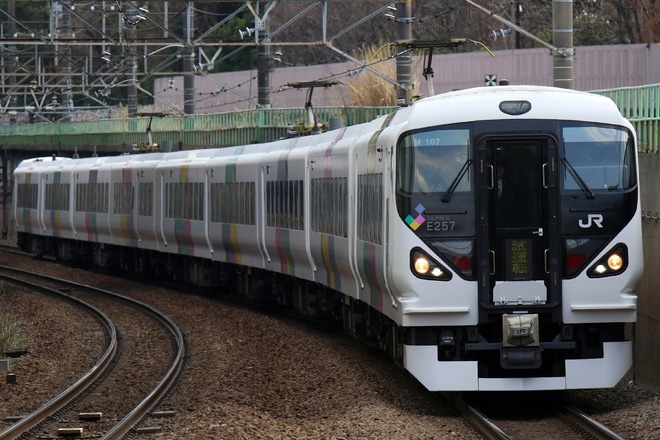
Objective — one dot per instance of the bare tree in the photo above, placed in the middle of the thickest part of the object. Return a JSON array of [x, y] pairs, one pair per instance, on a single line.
[[595, 22], [616, 21]]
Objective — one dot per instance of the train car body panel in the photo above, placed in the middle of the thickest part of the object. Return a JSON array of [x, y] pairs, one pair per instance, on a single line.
[[600, 372], [216, 177], [236, 229], [423, 302], [24, 203], [54, 215], [283, 177], [57, 212], [28, 197], [369, 217], [588, 300], [330, 198], [488, 239], [146, 205], [90, 204], [123, 197], [179, 219]]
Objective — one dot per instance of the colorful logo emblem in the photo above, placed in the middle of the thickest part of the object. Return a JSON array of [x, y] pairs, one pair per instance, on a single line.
[[416, 222]]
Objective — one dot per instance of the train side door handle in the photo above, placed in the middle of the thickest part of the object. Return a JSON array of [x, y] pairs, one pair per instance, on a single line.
[[492, 261], [539, 232]]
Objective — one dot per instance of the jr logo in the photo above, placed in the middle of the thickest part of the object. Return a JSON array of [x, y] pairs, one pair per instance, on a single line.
[[596, 219]]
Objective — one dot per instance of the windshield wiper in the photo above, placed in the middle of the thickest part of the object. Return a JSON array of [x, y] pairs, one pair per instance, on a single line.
[[454, 183], [576, 176]]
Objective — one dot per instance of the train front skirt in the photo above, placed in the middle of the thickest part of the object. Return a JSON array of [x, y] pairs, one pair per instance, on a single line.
[[422, 362]]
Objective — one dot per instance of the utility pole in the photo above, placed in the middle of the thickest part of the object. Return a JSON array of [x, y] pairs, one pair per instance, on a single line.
[[516, 13], [131, 59], [262, 41], [263, 64], [562, 39], [189, 63], [11, 50], [404, 59], [562, 34], [67, 51]]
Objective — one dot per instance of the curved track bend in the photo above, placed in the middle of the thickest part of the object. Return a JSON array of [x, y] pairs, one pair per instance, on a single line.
[[115, 363]]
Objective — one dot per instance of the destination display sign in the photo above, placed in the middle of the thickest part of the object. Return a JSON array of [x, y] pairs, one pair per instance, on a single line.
[[518, 254]]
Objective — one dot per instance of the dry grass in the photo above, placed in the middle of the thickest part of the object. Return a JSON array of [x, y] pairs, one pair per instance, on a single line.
[[369, 89], [10, 335]]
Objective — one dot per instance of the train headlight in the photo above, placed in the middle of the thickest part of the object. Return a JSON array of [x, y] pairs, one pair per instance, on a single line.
[[426, 267], [613, 263], [422, 265]]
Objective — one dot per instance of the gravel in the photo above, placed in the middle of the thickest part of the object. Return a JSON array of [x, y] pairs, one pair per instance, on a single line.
[[254, 375]]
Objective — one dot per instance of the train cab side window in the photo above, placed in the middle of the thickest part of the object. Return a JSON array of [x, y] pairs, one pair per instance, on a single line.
[[598, 159], [284, 201], [57, 197], [430, 161], [123, 196], [145, 195], [27, 195]]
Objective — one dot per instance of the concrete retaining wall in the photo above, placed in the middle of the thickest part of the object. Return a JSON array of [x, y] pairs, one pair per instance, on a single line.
[[647, 331]]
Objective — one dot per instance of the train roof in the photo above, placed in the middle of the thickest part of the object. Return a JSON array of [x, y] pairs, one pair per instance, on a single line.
[[480, 103], [483, 103]]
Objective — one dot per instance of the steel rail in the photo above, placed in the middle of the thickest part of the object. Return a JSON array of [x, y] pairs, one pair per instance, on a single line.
[[484, 425], [474, 418], [125, 425], [100, 367], [590, 425], [166, 383]]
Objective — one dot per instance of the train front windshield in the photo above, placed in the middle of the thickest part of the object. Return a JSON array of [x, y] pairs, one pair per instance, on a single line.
[[527, 175], [597, 159], [434, 161], [594, 159]]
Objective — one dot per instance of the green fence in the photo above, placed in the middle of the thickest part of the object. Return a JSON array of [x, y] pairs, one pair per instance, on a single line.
[[183, 132], [641, 105]]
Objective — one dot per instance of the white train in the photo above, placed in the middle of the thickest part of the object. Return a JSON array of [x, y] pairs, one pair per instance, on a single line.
[[488, 239]]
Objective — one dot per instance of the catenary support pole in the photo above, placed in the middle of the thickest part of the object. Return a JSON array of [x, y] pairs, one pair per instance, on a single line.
[[189, 63], [404, 58], [562, 38], [264, 63]]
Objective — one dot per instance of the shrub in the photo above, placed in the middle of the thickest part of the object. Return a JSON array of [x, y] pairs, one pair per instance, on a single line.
[[10, 334]]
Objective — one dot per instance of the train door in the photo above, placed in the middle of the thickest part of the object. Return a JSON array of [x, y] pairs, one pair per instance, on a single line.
[[520, 237]]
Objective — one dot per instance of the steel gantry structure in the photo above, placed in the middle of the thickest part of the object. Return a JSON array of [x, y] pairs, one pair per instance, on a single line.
[[86, 49], [60, 59]]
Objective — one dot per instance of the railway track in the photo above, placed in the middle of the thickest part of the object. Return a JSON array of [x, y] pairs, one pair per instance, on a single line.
[[137, 336], [238, 344], [517, 420]]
